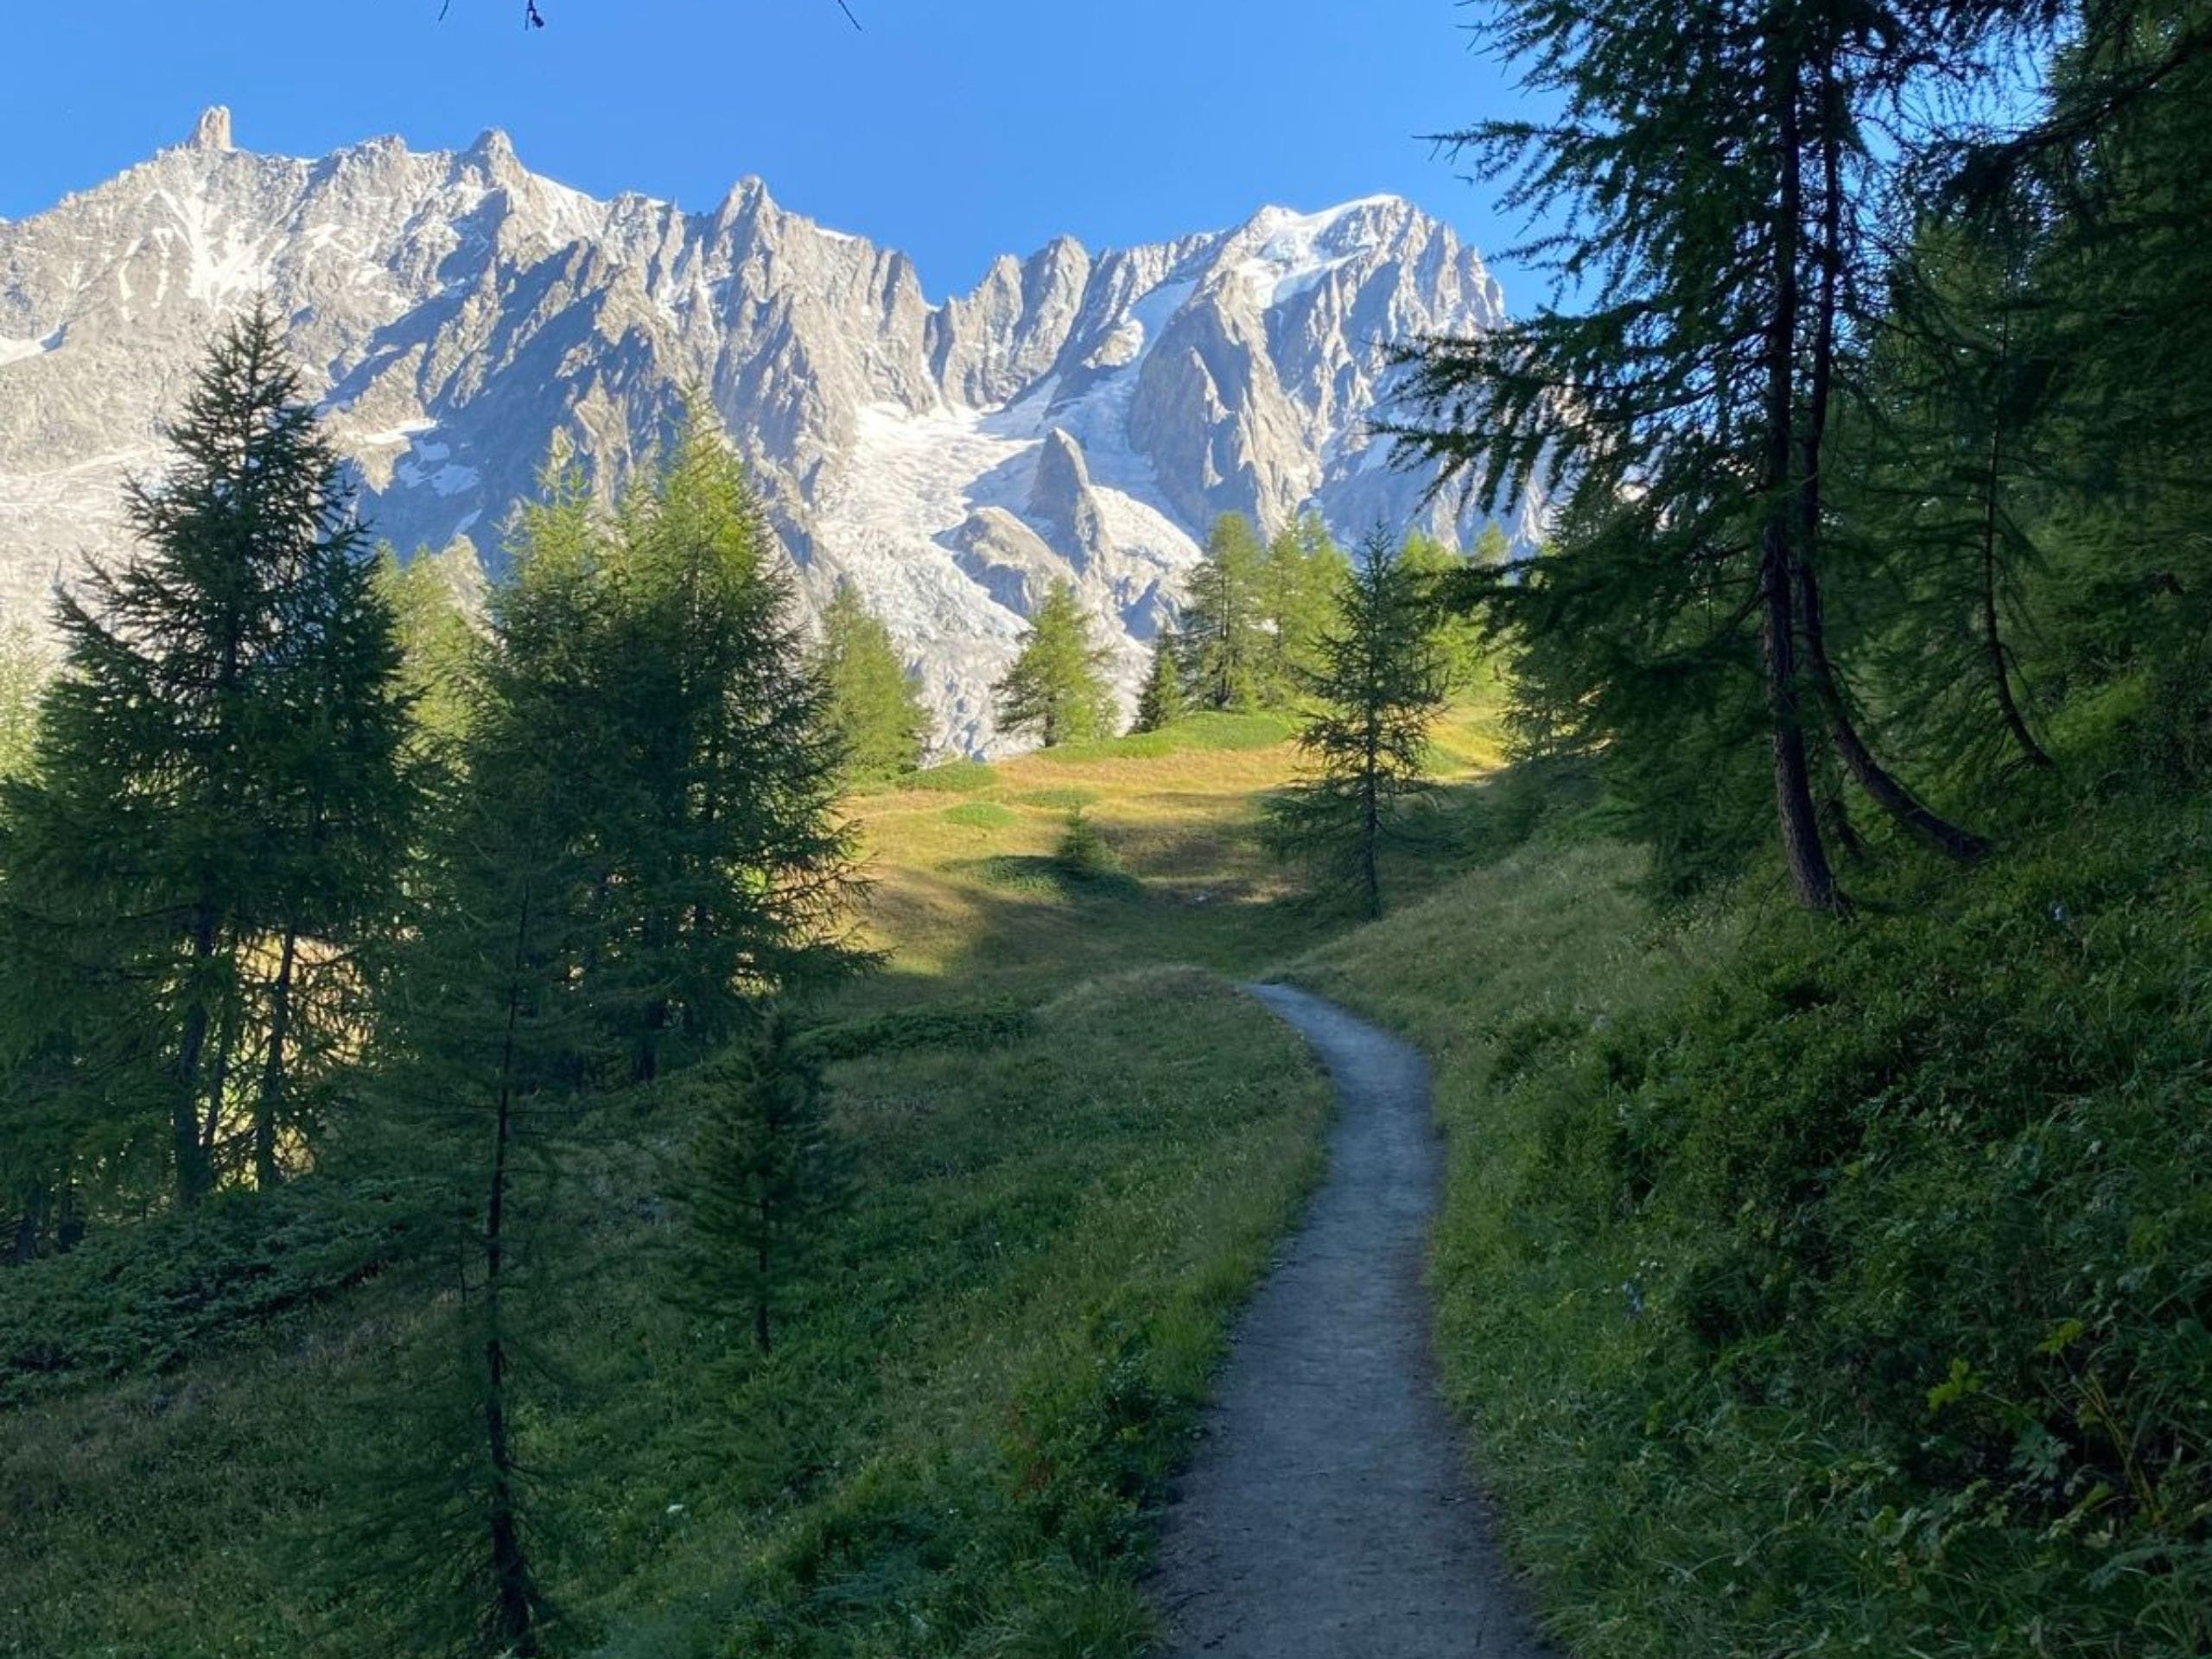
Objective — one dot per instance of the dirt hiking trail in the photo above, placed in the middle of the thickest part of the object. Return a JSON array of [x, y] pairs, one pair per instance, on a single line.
[[1327, 1514]]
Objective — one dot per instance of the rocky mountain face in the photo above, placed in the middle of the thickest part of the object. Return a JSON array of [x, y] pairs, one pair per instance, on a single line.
[[1080, 415]]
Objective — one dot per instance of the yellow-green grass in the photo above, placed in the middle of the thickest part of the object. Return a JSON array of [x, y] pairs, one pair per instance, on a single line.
[[967, 901], [993, 1363]]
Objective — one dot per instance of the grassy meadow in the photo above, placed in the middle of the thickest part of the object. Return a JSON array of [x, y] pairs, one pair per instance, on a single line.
[[1072, 1147]]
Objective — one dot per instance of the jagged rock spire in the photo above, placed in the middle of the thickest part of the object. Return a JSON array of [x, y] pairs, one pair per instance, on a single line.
[[213, 129]]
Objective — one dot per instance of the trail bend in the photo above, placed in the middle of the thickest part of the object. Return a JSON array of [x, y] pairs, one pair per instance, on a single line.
[[1327, 1514]]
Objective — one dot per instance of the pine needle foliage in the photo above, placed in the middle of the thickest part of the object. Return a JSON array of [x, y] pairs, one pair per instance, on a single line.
[[1159, 702]]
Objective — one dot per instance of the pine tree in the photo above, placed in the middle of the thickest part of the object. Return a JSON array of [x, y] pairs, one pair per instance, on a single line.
[[1437, 572], [1056, 688], [23, 671], [1222, 636], [735, 872], [874, 710], [218, 809], [1380, 687], [432, 596], [663, 643], [1160, 704]]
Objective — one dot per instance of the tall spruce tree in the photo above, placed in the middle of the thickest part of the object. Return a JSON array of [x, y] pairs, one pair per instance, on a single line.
[[1222, 635], [874, 710], [218, 808], [1380, 687], [1056, 689]]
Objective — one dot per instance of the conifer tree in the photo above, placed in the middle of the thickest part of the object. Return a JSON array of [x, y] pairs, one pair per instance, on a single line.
[[1056, 688], [663, 643], [218, 794], [1300, 573], [736, 873], [1222, 636], [490, 1033], [1717, 162], [764, 1172], [1379, 688], [1159, 704], [874, 710], [1437, 572], [431, 597]]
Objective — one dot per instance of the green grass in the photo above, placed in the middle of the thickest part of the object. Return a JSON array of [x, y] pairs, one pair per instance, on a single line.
[[952, 1450], [1178, 815], [982, 815], [1825, 1290]]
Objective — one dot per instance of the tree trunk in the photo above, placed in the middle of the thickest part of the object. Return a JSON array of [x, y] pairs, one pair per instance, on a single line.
[[515, 1622], [31, 1222], [195, 1174], [268, 1107], [2000, 675], [1859, 760], [1370, 820], [1808, 860], [1866, 771]]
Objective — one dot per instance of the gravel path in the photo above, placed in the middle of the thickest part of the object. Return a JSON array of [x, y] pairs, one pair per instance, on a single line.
[[1327, 1514]]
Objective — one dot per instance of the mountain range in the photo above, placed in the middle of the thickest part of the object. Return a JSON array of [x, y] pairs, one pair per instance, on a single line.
[[1081, 414]]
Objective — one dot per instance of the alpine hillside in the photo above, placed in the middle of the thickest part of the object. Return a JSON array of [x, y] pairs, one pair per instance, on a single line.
[[1080, 415]]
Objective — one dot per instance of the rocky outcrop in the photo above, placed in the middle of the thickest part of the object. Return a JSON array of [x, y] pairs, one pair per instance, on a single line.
[[1076, 414]]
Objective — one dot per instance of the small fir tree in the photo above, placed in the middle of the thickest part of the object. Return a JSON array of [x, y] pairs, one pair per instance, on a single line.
[[1380, 687], [1056, 689]]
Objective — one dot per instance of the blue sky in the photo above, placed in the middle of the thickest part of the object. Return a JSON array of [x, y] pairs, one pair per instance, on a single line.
[[954, 129]]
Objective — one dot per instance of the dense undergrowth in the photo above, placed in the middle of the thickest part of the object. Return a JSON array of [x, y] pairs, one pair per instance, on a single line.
[[1823, 1288], [992, 1362]]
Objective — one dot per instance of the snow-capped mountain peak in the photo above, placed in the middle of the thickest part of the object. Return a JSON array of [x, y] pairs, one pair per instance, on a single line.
[[1078, 413]]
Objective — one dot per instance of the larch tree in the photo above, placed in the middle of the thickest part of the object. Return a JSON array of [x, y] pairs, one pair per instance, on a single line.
[[1056, 689], [874, 710], [1716, 171], [1300, 575], [1222, 636], [218, 806], [1378, 690]]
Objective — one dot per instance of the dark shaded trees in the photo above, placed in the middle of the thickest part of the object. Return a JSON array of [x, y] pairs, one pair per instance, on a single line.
[[218, 806], [1716, 168]]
